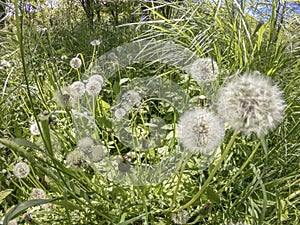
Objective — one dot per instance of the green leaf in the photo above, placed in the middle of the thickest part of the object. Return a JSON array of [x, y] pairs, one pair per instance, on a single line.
[[18, 209], [213, 196], [25, 143], [132, 220], [4, 194], [46, 134]]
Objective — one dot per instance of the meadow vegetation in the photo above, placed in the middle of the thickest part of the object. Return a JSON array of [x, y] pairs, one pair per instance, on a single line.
[[70, 74]]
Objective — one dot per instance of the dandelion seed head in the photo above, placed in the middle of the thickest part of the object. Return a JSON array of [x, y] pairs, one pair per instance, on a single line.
[[130, 99], [75, 159], [78, 88], [64, 97], [203, 70], [95, 42], [75, 63], [37, 193], [21, 170], [180, 217], [93, 87], [98, 78], [98, 153], [250, 103], [200, 131], [85, 145], [120, 113], [34, 129]]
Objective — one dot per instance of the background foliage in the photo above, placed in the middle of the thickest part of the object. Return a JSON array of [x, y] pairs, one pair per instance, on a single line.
[[39, 45]]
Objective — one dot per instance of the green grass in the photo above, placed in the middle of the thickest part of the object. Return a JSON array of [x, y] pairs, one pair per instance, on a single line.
[[244, 185]]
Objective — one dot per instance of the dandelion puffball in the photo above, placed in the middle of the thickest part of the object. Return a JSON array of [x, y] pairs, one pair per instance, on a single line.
[[203, 70], [21, 170], [130, 99], [93, 87], [77, 88], [250, 103], [85, 145], [75, 159], [75, 63], [34, 129], [200, 131], [95, 42], [37, 193], [98, 78]]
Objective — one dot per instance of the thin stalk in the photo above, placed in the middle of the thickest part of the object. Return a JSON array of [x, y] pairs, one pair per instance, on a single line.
[[241, 169], [177, 185], [212, 174]]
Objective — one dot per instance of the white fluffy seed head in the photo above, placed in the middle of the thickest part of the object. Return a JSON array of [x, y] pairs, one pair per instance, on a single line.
[[85, 145], [98, 153], [98, 78], [200, 131], [78, 88], [34, 129], [180, 217], [93, 87], [251, 103], [64, 97], [120, 113], [203, 70], [130, 99], [37, 193], [75, 159], [75, 63], [21, 170], [95, 42]]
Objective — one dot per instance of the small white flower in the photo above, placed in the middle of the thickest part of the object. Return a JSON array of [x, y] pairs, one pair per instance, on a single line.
[[98, 78], [180, 217], [34, 129], [250, 103], [75, 159], [21, 170], [130, 99], [120, 113], [200, 131], [93, 87], [75, 63], [95, 42], [78, 88], [98, 153], [37, 193], [85, 145], [203, 70]]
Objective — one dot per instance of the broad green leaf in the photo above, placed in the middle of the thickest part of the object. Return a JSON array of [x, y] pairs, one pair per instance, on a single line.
[[18, 209], [25, 143]]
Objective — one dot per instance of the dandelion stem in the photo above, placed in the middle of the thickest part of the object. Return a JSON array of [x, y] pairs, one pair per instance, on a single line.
[[178, 183], [214, 171]]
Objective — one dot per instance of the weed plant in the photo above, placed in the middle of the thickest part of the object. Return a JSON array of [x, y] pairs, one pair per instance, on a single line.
[[67, 156]]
